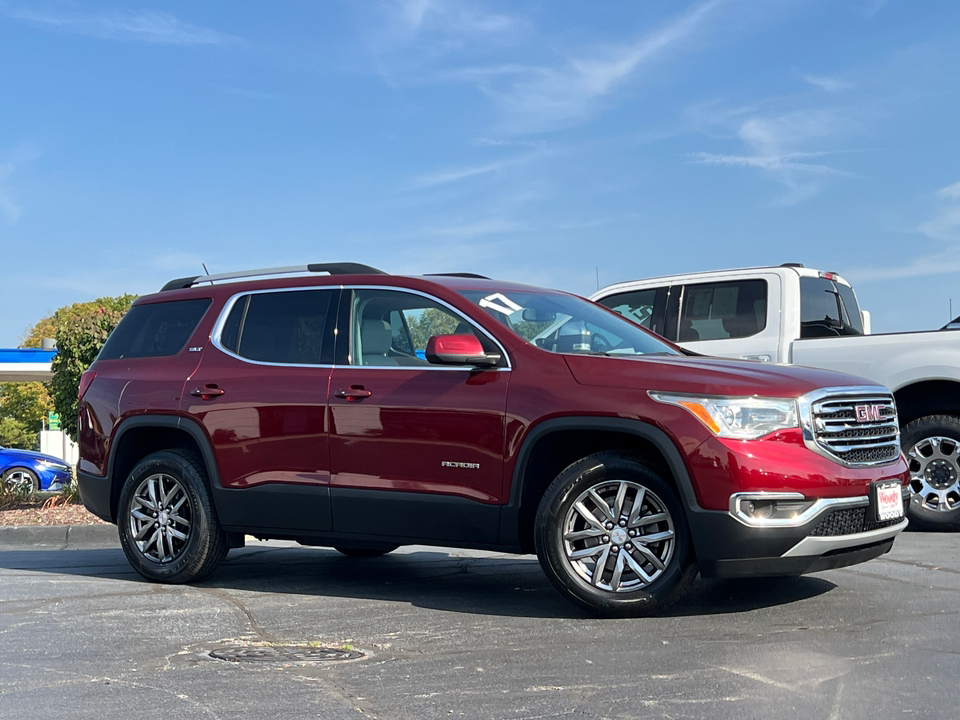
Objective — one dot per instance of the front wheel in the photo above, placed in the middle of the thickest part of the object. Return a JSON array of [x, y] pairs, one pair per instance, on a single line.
[[21, 480], [166, 519], [932, 447], [612, 536]]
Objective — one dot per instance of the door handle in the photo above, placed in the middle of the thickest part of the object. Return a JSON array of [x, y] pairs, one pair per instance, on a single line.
[[207, 392], [355, 393]]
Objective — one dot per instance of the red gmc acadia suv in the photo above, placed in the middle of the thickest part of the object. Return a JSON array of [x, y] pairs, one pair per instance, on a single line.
[[344, 407]]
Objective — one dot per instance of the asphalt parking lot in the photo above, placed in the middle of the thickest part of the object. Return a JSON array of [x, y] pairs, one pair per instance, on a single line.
[[469, 634]]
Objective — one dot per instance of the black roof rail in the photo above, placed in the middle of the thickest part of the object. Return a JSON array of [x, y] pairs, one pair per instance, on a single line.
[[461, 275], [791, 264], [345, 268]]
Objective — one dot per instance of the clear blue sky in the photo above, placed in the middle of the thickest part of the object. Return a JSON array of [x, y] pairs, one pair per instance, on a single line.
[[531, 141]]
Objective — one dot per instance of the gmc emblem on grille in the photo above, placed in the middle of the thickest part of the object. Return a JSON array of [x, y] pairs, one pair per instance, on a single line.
[[869, 413]]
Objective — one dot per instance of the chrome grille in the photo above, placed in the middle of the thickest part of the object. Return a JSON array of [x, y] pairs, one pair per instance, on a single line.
[[856, 427]]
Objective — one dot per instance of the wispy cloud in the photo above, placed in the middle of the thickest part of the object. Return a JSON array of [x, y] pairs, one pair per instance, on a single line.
[[8, 210], [453, 17], [547, 98], [945, 228], [946, 225], [529, 96], [776, 145], [128, 25], [830, 85], [490, 226], [451, 175]]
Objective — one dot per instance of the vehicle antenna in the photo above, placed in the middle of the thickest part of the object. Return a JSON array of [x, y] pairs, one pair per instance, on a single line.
[[204, 265]]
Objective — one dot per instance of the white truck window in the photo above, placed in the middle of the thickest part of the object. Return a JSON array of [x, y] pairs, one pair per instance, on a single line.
[[828, 309], [723, 310]]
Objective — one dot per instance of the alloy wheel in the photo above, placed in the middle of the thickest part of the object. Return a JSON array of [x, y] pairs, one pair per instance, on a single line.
[[160, 518], [19, 481], [618, 536], [935, 473]]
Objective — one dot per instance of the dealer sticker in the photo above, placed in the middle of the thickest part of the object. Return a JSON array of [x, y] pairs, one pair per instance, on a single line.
[[889, 501]]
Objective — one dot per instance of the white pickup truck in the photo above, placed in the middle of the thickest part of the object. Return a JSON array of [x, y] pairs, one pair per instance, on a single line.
[[797, 315]]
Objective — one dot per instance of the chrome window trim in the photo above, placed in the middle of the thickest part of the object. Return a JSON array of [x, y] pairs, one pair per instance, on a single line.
[[819, 507], [474, 323], [228, 307], [805, 405]]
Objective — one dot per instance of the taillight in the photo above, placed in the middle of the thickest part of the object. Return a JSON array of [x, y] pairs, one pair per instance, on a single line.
[[85, 381]]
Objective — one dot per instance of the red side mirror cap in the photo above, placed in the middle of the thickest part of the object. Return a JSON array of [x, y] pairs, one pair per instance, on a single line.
[[464, 349]]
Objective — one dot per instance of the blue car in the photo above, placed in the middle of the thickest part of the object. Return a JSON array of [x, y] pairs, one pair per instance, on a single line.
[[27, 470]]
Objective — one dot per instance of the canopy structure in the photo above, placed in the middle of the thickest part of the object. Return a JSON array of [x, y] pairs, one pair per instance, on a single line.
[[25, 364]]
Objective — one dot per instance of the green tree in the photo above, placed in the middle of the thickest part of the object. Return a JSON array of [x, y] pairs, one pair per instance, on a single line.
[[428, 323], [15, 433], [23, 406], [46, 328], [81, 330]]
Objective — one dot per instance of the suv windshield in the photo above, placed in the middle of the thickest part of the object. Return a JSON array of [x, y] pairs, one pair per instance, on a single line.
[[567, 324]]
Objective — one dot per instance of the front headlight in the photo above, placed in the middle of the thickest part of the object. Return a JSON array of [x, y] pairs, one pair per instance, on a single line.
[[50, 465], [741, 418]]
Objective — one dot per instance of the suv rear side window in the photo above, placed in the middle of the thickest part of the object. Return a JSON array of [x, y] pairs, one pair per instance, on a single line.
[[723, 310], [828, 309], [289, 328], [155, 329]]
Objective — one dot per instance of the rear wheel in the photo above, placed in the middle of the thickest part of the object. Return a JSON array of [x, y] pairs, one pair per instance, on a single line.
[[612, 536], [21, 480], [932, 447], [166, 519]]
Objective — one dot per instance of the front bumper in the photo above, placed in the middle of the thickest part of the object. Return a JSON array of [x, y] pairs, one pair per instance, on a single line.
[[837, 536], [54, 478]]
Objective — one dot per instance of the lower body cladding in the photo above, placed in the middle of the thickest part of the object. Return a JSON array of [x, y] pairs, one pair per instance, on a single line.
[[822, 535]]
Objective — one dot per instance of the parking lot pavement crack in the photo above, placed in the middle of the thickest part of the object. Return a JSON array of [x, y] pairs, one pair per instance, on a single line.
[[74, 678], [902, 581], [922, 566], [243, 613], [349, 698]]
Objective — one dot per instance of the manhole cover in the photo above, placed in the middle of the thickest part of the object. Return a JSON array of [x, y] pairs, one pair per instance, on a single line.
[[283, 654]]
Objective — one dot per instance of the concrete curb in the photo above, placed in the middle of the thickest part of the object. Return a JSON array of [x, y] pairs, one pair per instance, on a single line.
[[57, 537]]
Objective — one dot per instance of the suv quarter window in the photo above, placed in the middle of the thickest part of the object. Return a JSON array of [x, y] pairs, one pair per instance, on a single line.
[[155, 329], [287, 327]]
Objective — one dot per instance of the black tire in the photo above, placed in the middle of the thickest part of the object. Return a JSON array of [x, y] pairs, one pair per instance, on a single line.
[[932, 447], [22, 479], [368, 550], [620, 590], [185, 508]]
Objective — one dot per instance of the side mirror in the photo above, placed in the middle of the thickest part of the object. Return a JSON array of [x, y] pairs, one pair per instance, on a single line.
[[865, 319], [462, 349]]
